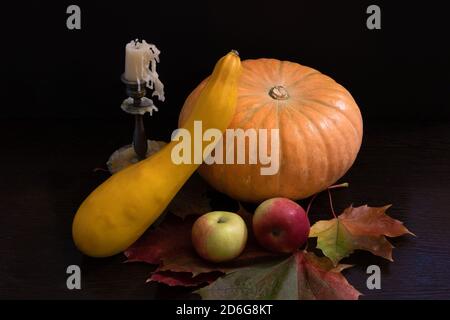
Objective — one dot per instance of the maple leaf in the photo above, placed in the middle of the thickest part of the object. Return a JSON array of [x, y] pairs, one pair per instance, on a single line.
[[301, 276], [184, 279], [169, 246], [362, 228]]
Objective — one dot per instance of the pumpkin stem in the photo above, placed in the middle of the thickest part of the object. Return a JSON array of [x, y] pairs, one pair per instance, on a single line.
[[278, 93]]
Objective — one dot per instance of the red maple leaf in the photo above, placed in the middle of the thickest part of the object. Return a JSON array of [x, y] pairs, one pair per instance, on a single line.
[[169, 246]]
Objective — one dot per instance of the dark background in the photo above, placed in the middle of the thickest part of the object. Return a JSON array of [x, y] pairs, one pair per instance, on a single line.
[[400, 72], [61, 93]]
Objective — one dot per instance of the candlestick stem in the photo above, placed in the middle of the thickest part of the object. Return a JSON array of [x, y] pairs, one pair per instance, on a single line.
[[139, 137]]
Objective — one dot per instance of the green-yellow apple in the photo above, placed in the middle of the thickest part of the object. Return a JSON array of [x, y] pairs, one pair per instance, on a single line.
[[280, 225], [219, 236]]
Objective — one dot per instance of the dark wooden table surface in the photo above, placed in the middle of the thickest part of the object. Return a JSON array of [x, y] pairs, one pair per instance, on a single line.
[[47, 170]]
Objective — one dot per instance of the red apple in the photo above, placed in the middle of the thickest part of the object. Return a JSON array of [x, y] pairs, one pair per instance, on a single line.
[[280, 225], [219, 236]]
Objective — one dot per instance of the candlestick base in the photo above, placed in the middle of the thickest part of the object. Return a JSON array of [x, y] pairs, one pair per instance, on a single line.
[[126, 155]]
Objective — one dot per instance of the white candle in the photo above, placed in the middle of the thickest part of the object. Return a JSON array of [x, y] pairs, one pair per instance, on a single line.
[[140, 66], [135, 59]]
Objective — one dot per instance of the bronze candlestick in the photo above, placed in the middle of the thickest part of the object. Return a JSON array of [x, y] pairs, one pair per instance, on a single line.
[[138, 104]]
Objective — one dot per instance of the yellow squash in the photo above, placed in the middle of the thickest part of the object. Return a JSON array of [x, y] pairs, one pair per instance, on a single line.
[[116, 214]]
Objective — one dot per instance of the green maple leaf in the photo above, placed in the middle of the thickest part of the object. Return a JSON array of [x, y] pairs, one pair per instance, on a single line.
[[360, 228], [301, 276]]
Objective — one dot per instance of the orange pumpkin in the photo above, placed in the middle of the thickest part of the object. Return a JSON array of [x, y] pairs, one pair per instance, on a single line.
[[320, 131]]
